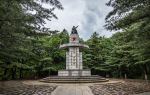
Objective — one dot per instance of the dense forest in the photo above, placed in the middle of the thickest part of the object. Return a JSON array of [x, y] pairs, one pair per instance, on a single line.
[[29, 50]]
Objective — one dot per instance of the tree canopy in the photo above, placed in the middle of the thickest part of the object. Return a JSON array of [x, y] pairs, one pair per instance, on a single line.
[[29, 50]]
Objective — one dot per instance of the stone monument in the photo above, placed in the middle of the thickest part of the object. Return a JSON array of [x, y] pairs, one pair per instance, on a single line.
[[74, 64], [74, 72]]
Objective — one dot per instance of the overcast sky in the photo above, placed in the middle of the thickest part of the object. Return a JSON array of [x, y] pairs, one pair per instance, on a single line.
[[88, 14]]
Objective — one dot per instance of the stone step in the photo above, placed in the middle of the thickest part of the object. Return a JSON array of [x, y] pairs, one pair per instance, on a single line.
[[73, 79], [79, 81]]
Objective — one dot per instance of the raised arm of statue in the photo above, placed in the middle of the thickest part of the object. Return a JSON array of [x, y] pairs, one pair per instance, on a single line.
[[74, 30]]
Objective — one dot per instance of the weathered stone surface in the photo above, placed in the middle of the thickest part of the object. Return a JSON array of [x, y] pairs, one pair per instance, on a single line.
[[18, 88], [117, 87], [127, 87]]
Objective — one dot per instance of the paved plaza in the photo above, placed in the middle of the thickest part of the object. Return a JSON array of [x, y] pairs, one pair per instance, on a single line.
[[19, 88], [113, 87]]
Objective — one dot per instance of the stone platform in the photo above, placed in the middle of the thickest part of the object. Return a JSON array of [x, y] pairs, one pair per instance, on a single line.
[[74, 79], [74, 72]]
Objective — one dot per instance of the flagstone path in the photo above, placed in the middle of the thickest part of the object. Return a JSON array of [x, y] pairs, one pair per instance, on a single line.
[[72, 89]]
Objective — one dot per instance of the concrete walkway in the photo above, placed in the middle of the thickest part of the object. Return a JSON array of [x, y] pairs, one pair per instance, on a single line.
[[72, 89]]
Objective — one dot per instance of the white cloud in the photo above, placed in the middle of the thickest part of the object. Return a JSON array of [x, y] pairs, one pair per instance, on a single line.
[[88, 14]]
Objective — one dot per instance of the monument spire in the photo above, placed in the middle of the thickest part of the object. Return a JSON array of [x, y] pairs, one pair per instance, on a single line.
[[74, 64]]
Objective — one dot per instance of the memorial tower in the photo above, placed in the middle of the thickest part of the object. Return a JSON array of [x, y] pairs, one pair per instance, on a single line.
[[74, 64]]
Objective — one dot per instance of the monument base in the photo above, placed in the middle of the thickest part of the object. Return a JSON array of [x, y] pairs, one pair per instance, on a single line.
[[74, 76], [74, 73]]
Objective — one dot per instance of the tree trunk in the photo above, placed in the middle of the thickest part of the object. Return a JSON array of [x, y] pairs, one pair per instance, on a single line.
[[145, 75], [49, 72], [20, 73], [145, 72], [13, 73], [4, 74], [147, 69], [35, 75], [120, 73], [125, 76]]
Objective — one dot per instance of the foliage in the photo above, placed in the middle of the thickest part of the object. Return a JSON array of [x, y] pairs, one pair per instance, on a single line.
[[21, 24], [30, 50], [133, 18]]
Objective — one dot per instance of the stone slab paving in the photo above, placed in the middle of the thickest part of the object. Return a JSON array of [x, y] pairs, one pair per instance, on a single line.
[[115, 87], [18, 88], [126, 87], [72, 89]]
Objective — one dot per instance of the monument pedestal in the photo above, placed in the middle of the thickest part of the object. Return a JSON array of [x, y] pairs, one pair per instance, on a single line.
[[74, 72]]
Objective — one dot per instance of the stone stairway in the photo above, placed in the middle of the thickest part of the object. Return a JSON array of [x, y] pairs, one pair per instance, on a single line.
[[73, 79]]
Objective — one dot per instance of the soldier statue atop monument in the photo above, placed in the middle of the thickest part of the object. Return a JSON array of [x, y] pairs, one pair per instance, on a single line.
[[74, 30]]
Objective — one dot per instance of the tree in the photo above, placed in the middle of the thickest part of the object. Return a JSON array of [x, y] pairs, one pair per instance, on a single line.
[[126, 13], [21, 20], [132, 17], [95, 57]]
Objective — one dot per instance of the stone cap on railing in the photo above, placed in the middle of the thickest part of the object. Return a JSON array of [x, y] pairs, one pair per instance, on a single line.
[[74, 45]]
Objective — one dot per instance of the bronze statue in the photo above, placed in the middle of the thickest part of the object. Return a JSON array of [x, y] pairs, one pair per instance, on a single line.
[[74, 30]]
